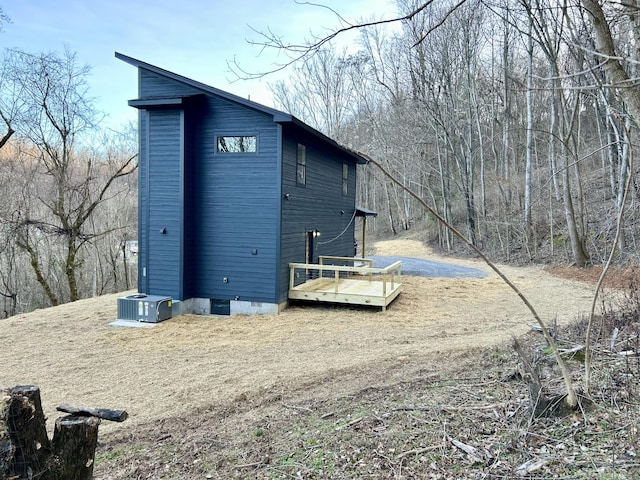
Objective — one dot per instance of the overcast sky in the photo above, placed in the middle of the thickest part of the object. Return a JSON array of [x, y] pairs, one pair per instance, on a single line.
[[194, 38]]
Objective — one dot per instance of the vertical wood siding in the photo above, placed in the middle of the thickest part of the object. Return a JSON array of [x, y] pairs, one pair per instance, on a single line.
[[191, 201], [143, 203], [153, 85]]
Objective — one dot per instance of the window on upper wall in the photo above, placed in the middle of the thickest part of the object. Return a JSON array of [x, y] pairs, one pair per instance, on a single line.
[[345, 179], [301, 165], [237, 144]]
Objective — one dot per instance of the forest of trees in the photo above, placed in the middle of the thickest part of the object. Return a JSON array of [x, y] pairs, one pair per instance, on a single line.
[[69, 193], [515, 119], [504, 115]]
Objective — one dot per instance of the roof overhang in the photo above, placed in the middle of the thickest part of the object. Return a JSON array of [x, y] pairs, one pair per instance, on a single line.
[[365, 212], [163, 102]]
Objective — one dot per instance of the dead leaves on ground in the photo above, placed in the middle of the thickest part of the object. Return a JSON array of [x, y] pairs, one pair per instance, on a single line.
[[474, 422]]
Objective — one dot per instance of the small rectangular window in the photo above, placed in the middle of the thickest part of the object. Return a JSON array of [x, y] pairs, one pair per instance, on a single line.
[[301, 165], [345, 179], [237, 144]]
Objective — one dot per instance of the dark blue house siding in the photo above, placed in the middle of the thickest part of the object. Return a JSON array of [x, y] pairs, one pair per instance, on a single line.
[[166, 164], [191, 197], [225, 206], [152, 85], [143, 203], [318, 205], [238, 210], [225, 226], [165, 216]]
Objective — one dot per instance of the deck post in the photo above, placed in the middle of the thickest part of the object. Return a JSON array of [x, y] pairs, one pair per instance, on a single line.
[[292, 271], [364, 235], [336, 276]]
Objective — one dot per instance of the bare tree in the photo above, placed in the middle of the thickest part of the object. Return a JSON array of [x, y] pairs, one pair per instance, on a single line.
[[58, 110], [325, 96], [619, 73], [11, 100], [620, 76], [9, 276]]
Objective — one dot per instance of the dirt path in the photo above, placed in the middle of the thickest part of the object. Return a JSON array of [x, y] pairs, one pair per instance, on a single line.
[[76, 357]]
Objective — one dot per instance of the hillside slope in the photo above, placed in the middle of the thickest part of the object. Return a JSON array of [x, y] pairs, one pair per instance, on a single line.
[[75, 357]]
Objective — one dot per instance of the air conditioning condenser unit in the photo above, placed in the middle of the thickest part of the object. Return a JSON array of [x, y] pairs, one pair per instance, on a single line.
[[144, 308]]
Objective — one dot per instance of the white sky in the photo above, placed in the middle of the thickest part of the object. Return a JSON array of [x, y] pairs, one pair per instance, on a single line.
[[194, 38]]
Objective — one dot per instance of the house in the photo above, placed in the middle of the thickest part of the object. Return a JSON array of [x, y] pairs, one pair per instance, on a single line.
[[230, 193]]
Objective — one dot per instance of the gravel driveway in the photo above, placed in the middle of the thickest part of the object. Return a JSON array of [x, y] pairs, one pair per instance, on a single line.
[[426, 268]]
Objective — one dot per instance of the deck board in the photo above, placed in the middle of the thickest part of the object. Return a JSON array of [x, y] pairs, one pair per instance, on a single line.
[[349, 290]]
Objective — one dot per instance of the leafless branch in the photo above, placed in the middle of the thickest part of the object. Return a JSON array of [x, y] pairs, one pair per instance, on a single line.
[[300, 51]]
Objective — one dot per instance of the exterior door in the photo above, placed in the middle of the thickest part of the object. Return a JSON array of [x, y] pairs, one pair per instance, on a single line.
[[310, 256]]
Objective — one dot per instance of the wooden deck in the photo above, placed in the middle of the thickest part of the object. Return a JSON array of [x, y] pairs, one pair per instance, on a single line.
[[360, 284]]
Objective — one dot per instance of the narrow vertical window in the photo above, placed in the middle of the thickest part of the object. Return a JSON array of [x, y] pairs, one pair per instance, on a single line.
[[345, 179], [301, 165]]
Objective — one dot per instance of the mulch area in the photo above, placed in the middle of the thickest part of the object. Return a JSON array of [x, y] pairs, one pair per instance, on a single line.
[[616, 277]]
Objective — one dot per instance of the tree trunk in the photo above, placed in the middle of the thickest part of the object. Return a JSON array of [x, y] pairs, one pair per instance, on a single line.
[[443, 173], [6, 446], [71, 266], [529, 153], [390, 209], [506, 114], [28, 434], [609, 56], [553, 114], [24, 244], [25, 450], [75, 440], [580, 257], [623, 172]]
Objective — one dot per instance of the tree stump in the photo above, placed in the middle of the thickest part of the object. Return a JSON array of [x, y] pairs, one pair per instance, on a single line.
[[74, 440], [7, 449], [25, 449], [25, 422]]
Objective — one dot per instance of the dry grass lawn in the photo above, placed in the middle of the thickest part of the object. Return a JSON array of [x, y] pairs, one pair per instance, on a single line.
[[75, 357]]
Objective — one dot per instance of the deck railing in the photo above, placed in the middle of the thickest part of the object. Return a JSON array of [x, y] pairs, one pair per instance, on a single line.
[[346, 261], [363, 268]]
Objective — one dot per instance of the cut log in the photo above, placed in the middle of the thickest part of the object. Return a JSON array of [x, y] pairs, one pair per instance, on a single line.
[[7, 449], [74, 443], [103, 413], [28, 433], [25, 449]]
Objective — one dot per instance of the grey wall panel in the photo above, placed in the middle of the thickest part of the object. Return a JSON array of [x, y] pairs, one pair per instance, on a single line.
[[143, 202], [154, 85]]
